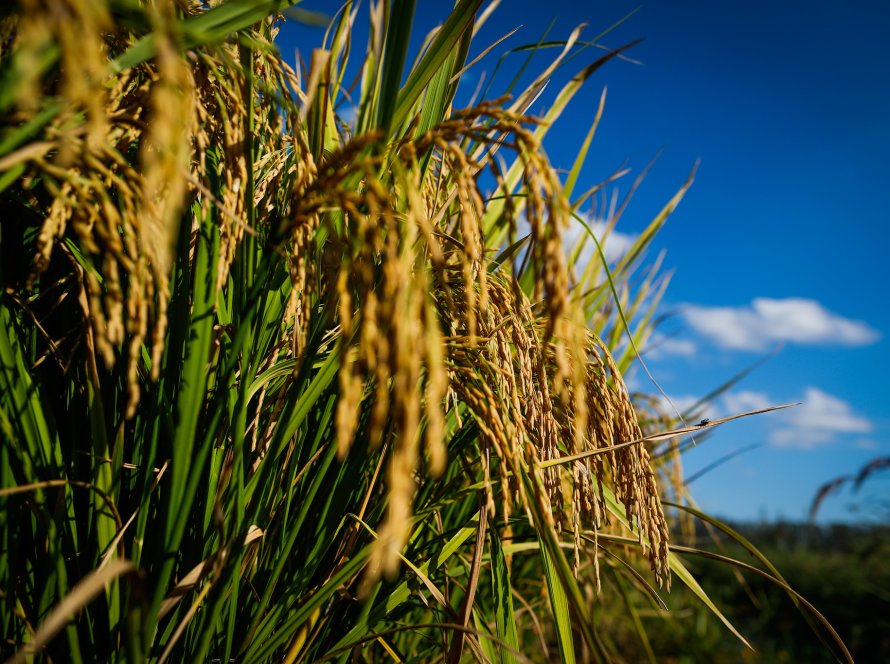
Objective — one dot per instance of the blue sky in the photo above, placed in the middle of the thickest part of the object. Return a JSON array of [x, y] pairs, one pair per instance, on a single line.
[[780, 242]]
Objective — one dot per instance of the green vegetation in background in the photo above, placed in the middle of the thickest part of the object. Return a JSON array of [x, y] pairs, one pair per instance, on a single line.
[[841, 569]]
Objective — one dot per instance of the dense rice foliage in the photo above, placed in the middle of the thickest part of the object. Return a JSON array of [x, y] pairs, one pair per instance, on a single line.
[[275, 386]]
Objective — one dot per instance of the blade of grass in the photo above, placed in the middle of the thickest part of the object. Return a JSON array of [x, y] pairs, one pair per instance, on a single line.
[[559, 606], [783, 585], [457, 642], [214, 25], [572, 177], [403, 591], [74, 601], [187, 462], [501, 588], [762, 559], [635, 619], [395, 52], [676, 565], [561, 581], [455, 25], [664, 435]]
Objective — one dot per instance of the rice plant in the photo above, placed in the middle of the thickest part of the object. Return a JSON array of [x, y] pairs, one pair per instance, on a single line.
[[281, 387]]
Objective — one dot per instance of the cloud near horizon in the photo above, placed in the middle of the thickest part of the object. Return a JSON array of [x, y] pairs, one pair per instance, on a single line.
[[745, 401], [661, 346], [678, 403], [771, 321], [817, 421]]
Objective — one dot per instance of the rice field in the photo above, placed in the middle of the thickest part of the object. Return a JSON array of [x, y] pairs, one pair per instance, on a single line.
[[282, 385]]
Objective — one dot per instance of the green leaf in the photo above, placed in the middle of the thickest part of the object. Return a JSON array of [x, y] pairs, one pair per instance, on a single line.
[[447, 39], [403, 591], [689, 581], [398, 36], [559, 605], [502, 591], [213, 26], [619, 511]]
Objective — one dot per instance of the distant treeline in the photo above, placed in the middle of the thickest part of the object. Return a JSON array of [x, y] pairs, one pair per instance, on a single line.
[[842, 569], [837, 537]]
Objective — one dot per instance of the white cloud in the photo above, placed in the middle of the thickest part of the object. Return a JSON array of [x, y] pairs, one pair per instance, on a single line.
[[661, 345], [817, 421], [745, 401], [682, 403], [803, 439], [729, 404], [769, 321], [615, 245], [866, 444]]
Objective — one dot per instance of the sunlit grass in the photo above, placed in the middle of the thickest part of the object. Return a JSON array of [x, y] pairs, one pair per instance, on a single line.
[[280, 387]]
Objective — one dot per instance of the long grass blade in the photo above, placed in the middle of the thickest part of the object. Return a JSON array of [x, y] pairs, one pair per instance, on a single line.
[[77, 598], [502, 591]]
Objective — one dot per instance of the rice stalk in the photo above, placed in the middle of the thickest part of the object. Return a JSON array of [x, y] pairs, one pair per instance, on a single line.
[[266, 320]]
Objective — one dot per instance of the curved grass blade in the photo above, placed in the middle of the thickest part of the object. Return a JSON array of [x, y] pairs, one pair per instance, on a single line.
[[501, 588], [559, 606], [778, 582], [212, 26], [762, 559], [74, 601], [675, 564], [447, 38], [664, 435]]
